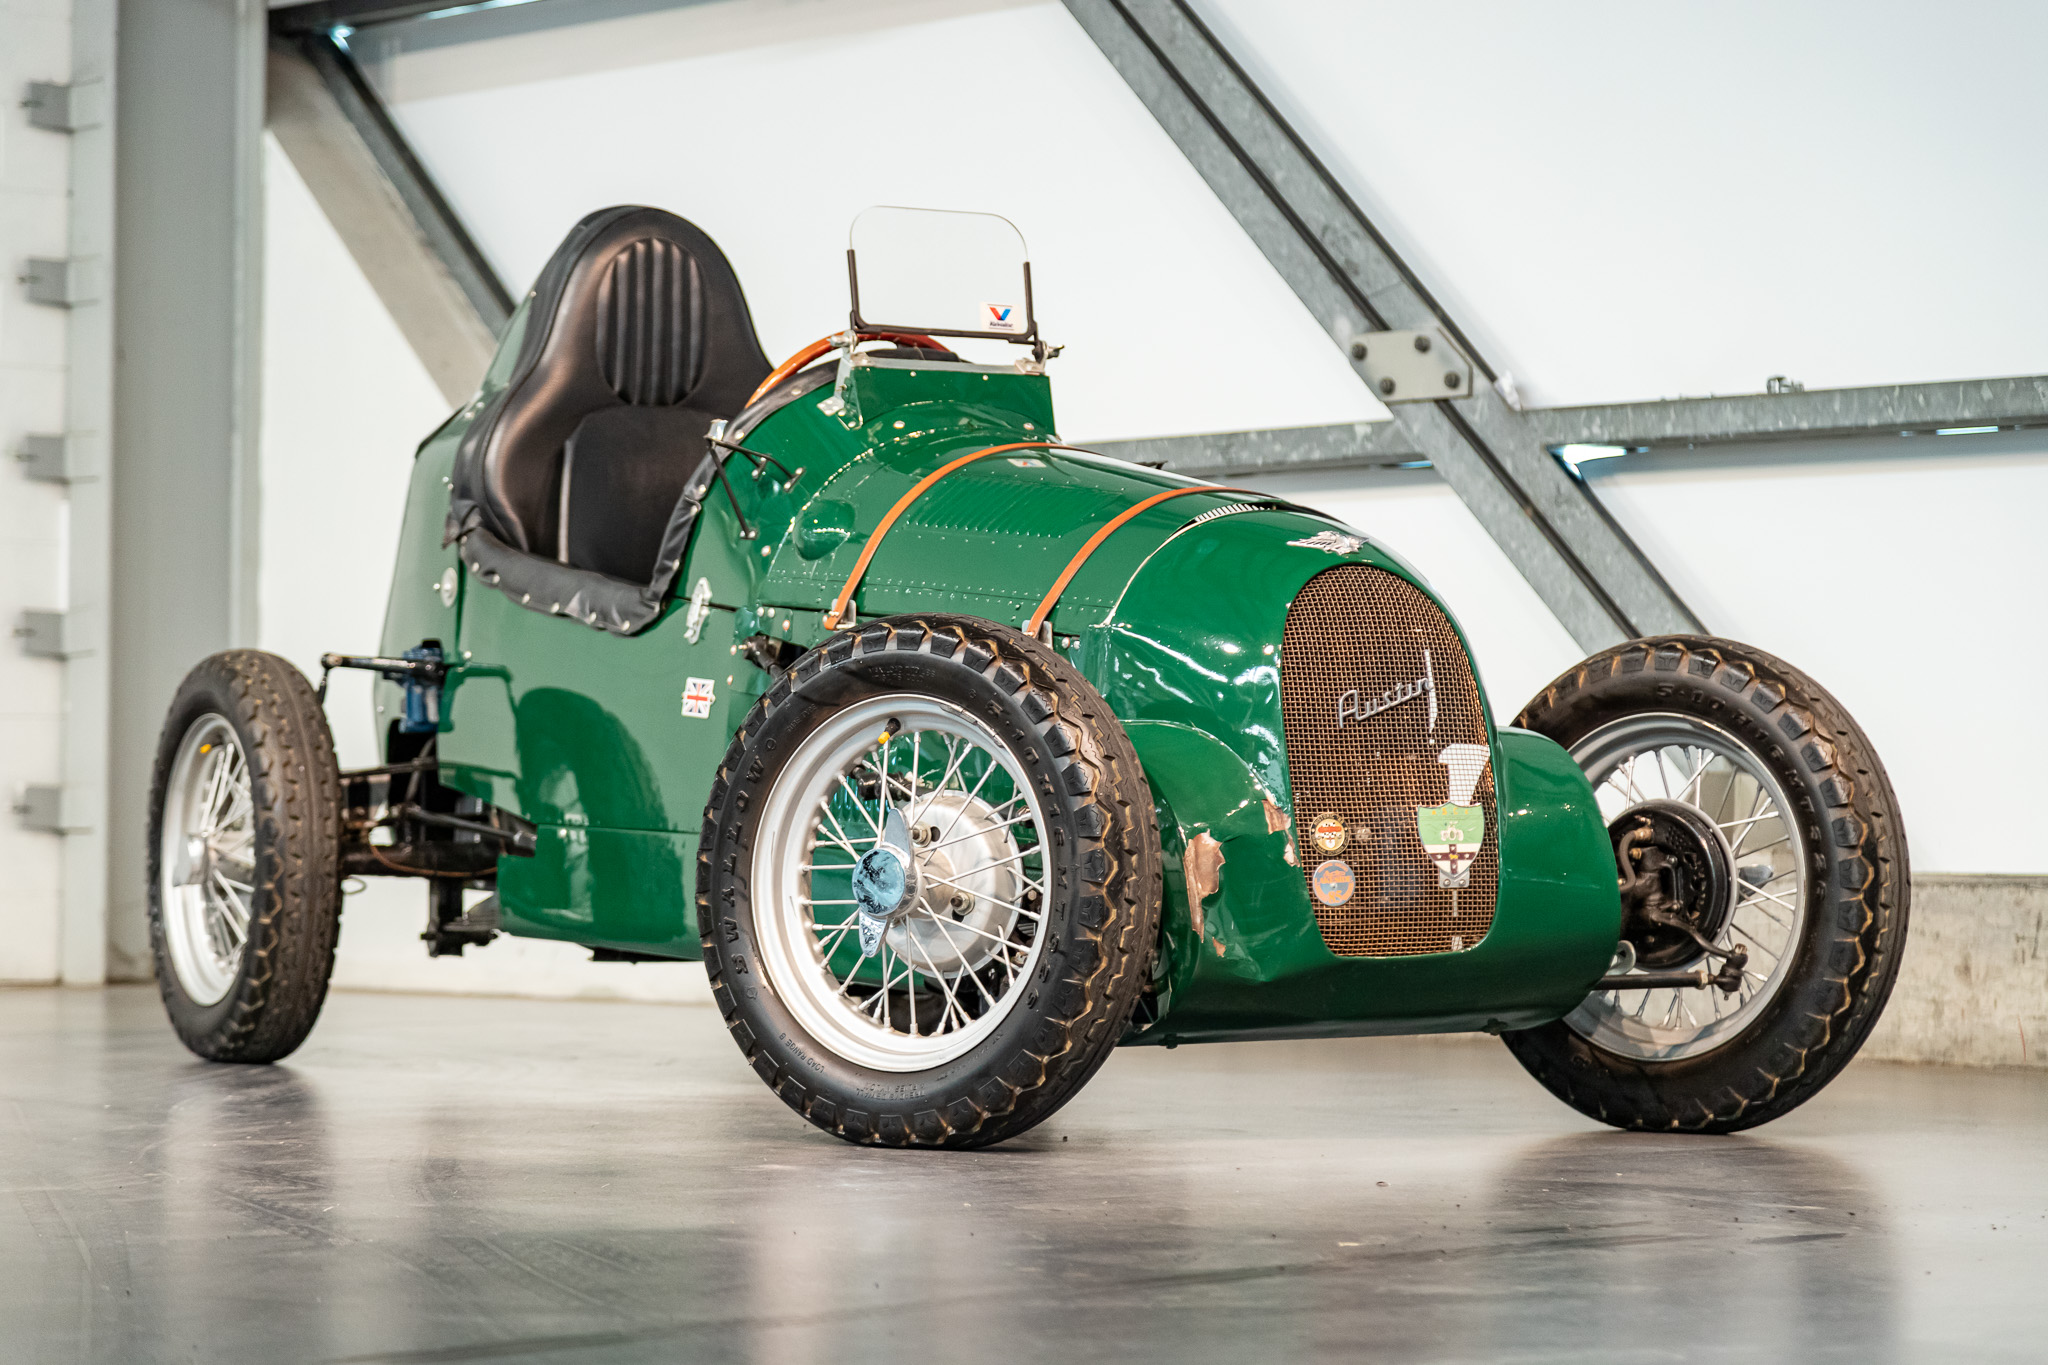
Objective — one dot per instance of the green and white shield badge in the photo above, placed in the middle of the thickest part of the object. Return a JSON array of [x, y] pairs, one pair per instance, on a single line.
[[1451, 833], [1451, 836]]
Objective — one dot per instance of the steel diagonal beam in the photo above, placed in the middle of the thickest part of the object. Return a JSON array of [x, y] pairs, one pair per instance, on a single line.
[[450, 327], [437, 221], [1580, 563]]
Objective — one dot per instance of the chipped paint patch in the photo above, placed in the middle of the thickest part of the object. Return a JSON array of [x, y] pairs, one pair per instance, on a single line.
[[1203, 864], [1276, 819]]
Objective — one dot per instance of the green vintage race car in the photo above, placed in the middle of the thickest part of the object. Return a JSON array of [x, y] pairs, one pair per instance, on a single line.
[[960, 755]]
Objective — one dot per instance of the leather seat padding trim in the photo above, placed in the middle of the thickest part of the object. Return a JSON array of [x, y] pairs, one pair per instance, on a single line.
[[623, 471], [597, 600]]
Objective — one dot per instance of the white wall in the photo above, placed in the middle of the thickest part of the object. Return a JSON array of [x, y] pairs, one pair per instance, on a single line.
[[1623, 201], [1910, 578], [34, 180], [1010, 110]]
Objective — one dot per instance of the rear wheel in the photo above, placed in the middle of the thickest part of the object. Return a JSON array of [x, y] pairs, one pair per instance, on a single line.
[[929, 882], [244, 865], [1745, 799]]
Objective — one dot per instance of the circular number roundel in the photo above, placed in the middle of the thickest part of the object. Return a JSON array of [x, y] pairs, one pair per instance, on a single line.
[[1334, 882]]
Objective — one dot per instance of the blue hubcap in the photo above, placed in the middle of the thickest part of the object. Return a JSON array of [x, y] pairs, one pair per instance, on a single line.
[[880, 881]]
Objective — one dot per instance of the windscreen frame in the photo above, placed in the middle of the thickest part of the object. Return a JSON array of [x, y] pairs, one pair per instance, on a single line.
[[858, 323]]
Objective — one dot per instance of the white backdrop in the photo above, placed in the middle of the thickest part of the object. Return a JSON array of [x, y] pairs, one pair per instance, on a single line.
[[1905, 576], [1623, 201], [1129, 249], [1911, 584]]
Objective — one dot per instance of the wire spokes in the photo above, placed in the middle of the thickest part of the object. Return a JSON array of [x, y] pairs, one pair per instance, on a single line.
[[1674, 758], [956, 947], [208, 855]]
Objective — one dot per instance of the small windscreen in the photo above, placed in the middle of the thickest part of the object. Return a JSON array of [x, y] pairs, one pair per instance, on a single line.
[[940, 272]]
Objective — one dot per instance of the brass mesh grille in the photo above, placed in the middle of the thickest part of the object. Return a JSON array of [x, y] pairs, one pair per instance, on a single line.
[[1363, 630]]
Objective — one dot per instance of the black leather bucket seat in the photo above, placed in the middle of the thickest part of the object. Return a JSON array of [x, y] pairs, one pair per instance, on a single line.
[[637, 338]]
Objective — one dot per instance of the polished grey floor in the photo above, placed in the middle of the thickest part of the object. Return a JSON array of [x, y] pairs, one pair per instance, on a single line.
[[437, 1179]]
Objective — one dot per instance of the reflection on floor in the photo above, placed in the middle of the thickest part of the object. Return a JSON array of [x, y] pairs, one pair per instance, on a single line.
[[436, 1179]]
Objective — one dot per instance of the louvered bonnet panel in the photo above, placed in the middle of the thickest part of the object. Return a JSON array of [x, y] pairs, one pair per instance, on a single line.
[[1382, 711]]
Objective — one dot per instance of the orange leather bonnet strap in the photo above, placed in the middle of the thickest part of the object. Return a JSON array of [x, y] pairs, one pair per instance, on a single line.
[[917, 490], [1059, 586], [832, 343]]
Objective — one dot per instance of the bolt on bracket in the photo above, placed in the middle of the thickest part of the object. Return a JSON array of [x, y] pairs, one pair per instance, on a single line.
[[1411, 367], [66, 108], [60, 283], [42, 635], [48, 459], [51, 810]]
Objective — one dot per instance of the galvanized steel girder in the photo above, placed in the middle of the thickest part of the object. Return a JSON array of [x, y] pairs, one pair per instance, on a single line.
[[1726, 419], [1580, 563]]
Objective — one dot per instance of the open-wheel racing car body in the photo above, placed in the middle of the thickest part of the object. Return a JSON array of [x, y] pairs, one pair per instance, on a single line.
[[960, 755]]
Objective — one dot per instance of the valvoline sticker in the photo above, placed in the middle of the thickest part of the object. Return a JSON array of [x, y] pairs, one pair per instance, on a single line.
[[1002, 317]]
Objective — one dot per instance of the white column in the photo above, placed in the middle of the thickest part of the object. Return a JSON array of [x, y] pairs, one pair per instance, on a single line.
[[89, 399]]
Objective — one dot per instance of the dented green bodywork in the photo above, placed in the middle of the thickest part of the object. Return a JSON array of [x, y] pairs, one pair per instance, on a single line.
[[582, 732]]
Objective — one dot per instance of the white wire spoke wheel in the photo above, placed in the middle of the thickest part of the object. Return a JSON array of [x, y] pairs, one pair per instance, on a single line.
[[1752, 812], [244, 858], [207, 851], [1669, 757], [928, 883], [963, 933]]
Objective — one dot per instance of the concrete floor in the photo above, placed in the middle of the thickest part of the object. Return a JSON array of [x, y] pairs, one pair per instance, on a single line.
[[435, 1179]]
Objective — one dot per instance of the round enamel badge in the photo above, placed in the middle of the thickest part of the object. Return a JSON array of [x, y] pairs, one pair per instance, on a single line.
[[1329, 833], [1333, 882]]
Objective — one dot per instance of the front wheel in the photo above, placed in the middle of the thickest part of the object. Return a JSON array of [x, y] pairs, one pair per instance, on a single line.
[[1750, 813], [928, 883], [244, 858]]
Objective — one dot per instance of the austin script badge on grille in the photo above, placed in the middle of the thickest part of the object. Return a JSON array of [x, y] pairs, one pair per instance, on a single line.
[[1349, 707]]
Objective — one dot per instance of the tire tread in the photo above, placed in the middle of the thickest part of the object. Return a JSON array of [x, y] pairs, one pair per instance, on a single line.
[[295, 787], [1859, 891], [1108, 801]]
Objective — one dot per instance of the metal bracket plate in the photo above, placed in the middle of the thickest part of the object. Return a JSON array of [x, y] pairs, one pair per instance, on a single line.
[[42, 635], [51, 810], [700, 611], [66, 108], [1412, 367], [47, 459], [61, 283]]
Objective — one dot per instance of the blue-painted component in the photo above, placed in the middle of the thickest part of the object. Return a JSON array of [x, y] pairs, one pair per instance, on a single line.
[[422, 698]]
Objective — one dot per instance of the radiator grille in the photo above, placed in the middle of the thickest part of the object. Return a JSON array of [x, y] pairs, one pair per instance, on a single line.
[[1357, 629]]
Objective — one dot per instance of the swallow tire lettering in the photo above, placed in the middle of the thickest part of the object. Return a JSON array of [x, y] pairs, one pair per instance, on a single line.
[[1791, 848], [928, 885]]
